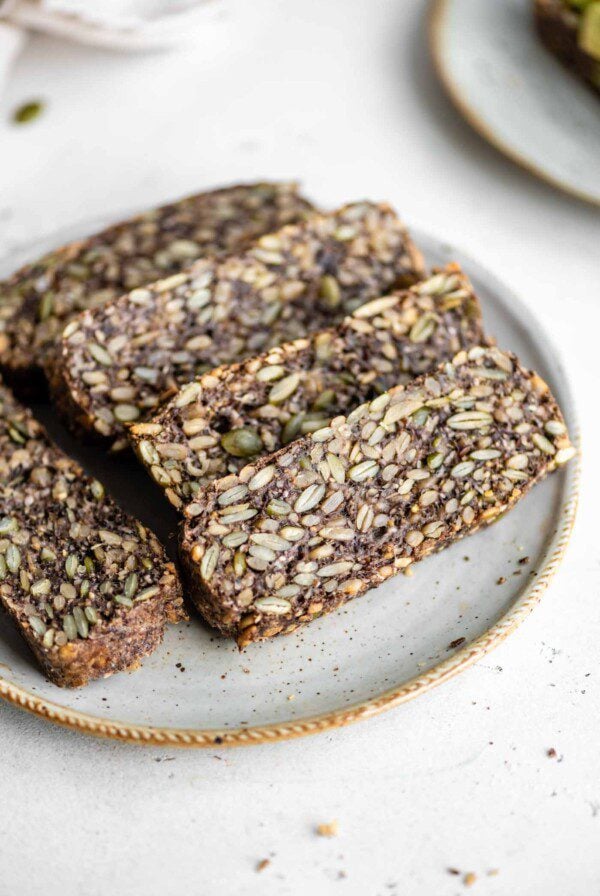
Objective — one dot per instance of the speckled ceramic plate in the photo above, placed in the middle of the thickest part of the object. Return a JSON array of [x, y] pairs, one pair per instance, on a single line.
[[515, 93], [393, 644]]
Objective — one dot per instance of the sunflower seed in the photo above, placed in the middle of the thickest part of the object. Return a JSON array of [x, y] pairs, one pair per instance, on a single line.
[[148, 452], [433, 529], [239, 516], [131, 585], [81, 622], [489, 373], [277, 606], [365, 470], [335, 569], [146, 594], [516, 475], [401, 410], [364, 518], [233, 495], [38, 625], [13, 558], [470, 420], [304, 579], [126, 413], [209, 562], [563, 455], [270, 372], [272, 541], [260, 552], [485, 454], [309, 498], [435, 460], [100, 354], [42, 586], [284, 388], [91, 614], [423, 328], [555, 428], [277, 507], [288, 591], [459, 471], [332, 502], [292, 533], [239, 564], [262, 478], [544, 444], [337, 533], [234, 539], [8, 524], [69, 627]]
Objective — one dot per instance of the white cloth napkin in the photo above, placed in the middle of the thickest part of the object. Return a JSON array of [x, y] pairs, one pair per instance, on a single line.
[[117, 24]]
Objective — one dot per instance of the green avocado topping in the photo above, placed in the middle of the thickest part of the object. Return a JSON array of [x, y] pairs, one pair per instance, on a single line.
[[589, 30]]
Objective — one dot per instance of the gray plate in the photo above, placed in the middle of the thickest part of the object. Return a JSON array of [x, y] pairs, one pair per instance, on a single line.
[[515, 93], [384, 648]]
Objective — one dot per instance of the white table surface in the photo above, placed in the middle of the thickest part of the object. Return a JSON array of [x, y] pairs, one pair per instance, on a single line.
[[341, 95]]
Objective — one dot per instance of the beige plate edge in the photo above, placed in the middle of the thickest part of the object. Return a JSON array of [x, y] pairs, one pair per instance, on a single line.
[[437, 12]]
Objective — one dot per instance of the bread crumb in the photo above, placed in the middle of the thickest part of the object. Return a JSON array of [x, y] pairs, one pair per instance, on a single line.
[[328, 829], [264, 863], [469, 878], [457, 643]]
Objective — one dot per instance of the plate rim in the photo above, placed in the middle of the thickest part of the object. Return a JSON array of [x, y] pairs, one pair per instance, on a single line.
[[435, 27], [529, 597]]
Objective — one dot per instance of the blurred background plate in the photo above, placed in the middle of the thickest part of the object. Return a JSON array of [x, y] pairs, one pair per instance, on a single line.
[[387, 647], [515, 93]]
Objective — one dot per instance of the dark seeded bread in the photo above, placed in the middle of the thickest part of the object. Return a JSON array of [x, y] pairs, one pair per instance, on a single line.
[[89, 588], [337, 512], [557, 24], [115, 364], [41, 298], [216, 424]]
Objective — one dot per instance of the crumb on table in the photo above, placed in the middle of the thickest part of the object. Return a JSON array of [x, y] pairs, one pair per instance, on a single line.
[[328, 829]]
